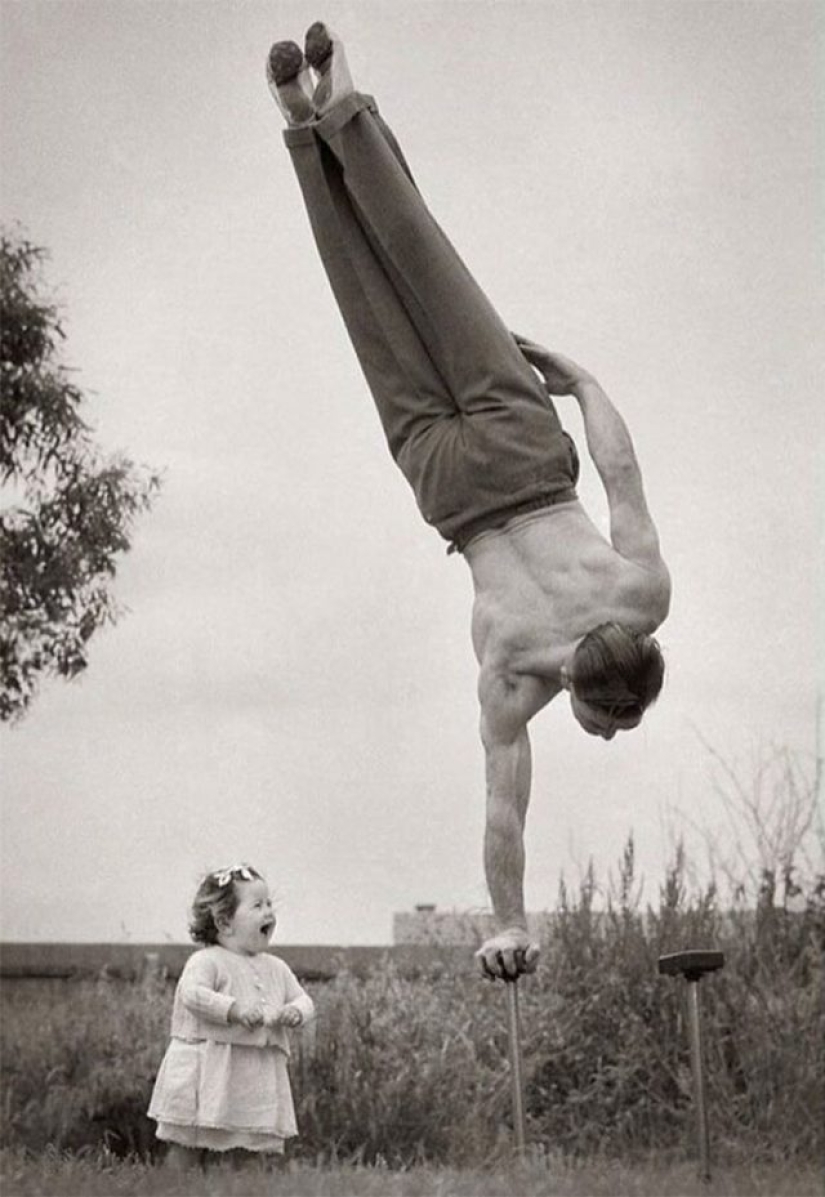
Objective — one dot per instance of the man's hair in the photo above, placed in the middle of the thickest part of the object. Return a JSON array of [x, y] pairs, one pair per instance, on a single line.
[[617, 670], [217, 900]]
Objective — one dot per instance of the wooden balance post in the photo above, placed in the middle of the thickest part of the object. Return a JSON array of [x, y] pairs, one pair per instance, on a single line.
[[516, 1070], [693, 965]]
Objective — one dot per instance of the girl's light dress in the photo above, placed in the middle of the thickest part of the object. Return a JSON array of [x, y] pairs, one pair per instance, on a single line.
[[220, 1085]]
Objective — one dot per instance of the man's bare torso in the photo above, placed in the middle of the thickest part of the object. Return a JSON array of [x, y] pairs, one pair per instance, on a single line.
[[541, 583]]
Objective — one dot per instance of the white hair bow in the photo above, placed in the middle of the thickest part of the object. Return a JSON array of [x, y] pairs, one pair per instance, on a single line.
[[224, 876]]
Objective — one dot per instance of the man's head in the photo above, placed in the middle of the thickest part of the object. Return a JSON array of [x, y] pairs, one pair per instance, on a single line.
[[614, 675]]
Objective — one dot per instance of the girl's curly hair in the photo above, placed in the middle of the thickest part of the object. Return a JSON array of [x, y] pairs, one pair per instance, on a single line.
[[217, 900]]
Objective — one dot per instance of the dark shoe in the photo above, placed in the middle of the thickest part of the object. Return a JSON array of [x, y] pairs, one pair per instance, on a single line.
[[317, 46], [289, 81], [324, 52]]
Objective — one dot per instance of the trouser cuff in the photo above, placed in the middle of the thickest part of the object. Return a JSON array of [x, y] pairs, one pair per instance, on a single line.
[[331, 122]]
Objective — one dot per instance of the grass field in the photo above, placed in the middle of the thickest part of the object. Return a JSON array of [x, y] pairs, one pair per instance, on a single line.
[[56, 1175], [403, 1086]]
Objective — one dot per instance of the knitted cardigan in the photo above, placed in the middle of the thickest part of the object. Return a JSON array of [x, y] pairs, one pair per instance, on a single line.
[[214, 978]]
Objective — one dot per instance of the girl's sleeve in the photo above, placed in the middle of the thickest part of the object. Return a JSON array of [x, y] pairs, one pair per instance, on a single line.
[[296, 996], [198, 992]]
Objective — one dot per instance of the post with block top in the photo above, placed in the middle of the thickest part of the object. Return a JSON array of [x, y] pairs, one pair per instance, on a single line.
[[693, 965], [516, 1070]]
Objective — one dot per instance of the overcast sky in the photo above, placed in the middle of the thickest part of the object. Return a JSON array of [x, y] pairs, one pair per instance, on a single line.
[[634, 184]]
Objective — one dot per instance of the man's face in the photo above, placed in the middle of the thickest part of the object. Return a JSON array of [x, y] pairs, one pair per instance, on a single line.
[[596, 721]]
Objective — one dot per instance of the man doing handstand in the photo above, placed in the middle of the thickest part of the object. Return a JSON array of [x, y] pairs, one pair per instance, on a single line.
[[467, 412]]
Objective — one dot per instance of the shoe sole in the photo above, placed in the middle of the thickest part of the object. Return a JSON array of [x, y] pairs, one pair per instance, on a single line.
[[317, 46], [285, 62]]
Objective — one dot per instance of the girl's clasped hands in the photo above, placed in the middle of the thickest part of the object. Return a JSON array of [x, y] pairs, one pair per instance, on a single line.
[[252, 1014]]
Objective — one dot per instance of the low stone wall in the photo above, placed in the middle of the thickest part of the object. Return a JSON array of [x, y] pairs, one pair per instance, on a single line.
[[132, 961]]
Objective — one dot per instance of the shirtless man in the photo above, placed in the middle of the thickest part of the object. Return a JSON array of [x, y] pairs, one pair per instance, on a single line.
[[542, 583], [468, 416]]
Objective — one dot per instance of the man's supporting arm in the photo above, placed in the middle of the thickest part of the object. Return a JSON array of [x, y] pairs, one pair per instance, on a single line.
[[509, 772]]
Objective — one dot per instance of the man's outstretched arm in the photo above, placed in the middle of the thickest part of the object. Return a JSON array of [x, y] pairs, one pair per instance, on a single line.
[[509, 773]]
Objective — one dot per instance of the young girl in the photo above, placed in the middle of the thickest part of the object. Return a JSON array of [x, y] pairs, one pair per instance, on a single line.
[[223, 1083]]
